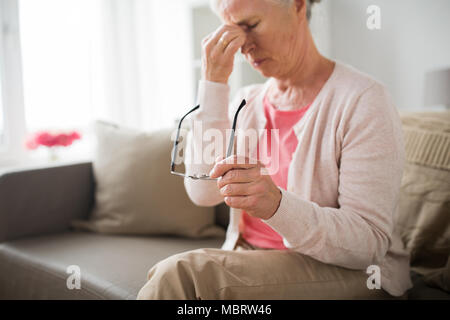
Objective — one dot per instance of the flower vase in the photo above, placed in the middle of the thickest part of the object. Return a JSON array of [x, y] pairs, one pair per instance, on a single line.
[[53, 154]]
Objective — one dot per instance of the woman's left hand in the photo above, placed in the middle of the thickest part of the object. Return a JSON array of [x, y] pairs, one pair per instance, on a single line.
[[245, 185]]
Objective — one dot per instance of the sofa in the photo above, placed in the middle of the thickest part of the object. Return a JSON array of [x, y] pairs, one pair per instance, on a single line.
[[39, 244]]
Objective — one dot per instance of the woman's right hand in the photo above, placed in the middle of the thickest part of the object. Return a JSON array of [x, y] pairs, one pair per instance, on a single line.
[[218, 50]]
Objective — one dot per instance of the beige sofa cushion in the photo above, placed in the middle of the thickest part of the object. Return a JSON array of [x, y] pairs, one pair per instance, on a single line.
[[424, 204], [112, 267], [439, 278], [135, 192]]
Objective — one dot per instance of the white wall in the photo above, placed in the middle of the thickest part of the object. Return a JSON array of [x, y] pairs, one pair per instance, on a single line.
[[414, 38], [320, 26]]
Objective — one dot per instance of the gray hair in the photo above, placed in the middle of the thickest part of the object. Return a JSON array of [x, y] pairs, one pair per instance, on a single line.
[[287, 3]]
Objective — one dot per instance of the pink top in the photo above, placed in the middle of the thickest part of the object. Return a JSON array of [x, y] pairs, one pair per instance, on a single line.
[[253, 229], [344, 179]]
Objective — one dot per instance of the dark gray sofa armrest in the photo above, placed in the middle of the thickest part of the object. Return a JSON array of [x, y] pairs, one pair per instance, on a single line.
[[44, 200]]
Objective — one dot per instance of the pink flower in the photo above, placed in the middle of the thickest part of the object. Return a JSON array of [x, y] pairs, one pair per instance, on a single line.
[[31, 144], [44, 138], [75, 135]]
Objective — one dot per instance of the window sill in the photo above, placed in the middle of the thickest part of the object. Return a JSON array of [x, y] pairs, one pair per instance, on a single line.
[[27, 166], [40, 158]]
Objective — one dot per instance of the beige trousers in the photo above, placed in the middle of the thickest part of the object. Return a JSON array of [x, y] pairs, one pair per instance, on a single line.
[[249, 273]]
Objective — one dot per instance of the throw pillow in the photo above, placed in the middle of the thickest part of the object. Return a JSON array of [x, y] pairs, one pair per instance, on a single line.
[[135, 192], [424, 206]]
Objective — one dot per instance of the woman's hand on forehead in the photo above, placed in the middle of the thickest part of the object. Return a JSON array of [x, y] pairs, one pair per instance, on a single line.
[[218, 50]]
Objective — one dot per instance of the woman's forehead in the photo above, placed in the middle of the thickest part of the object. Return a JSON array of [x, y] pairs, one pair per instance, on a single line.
[[242, 11]]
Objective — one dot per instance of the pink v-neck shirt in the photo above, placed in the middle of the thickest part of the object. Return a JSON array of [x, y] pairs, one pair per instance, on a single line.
[[341, 196], [284, 143]]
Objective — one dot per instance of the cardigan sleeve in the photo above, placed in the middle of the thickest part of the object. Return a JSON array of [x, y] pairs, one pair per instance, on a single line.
[[212, 119], [357, 233]]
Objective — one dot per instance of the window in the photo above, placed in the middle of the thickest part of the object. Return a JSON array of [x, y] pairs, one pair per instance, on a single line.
[[59, 56], [12, 128], [67, 63], [2, 112], [2, 131], [98, 59]]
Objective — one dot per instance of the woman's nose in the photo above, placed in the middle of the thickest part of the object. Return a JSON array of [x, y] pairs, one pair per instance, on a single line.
[[248, 46]]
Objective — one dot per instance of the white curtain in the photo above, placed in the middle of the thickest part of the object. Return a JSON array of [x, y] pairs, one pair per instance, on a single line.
[[147, 65], [120, 65], [125, 61]]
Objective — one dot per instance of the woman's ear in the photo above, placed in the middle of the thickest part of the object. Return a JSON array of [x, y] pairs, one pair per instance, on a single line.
[[300, 7]]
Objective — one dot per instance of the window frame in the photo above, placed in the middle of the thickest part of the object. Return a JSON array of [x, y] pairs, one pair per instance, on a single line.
[[12, 151]]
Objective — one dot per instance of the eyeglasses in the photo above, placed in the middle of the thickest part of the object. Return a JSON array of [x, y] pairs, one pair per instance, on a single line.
[[176, 142]]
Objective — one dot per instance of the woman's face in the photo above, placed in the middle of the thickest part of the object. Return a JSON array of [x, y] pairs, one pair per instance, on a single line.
[[275, 34]]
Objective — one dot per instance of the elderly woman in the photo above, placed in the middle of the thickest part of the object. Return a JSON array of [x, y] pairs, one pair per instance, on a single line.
[[319, 226]]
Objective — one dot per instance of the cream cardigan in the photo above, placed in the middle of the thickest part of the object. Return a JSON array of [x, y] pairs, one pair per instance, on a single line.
[[344, 178]]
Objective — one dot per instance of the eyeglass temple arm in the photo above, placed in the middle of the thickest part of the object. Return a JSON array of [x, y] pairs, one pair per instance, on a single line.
[[175, 144], [231, 144]]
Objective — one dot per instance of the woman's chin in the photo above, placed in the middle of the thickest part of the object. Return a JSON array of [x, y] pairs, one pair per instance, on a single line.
[[264, 71]]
